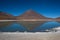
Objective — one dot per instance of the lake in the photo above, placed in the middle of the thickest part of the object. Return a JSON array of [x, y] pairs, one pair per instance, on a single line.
[[29, 26]]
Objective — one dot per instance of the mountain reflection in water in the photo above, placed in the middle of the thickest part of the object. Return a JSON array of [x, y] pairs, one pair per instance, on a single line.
[[31, 26]]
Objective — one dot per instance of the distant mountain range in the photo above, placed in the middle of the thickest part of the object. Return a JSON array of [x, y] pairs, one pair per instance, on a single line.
[[58, 18], [30, 14], [6, 16]]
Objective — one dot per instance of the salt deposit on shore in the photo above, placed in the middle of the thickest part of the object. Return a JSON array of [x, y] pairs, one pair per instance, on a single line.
[[30, 36]]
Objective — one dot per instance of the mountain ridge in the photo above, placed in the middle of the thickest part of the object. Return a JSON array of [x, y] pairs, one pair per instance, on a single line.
[[30, 14], [6, 16]]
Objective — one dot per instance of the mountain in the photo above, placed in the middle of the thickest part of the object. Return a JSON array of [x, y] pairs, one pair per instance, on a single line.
[[5, 16], [30, 14], [58, 18]]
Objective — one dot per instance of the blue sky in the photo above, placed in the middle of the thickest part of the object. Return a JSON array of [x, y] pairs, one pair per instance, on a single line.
[[48, 8]]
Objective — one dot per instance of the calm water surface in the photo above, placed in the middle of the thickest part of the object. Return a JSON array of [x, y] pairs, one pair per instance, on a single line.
[[27, 26]]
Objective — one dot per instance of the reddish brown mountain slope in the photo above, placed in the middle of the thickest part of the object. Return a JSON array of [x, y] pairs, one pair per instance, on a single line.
[[30, 14], [58, 18], [5, 16]]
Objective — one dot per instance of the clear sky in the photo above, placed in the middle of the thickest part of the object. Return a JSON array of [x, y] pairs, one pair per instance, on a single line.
[[48, 8]]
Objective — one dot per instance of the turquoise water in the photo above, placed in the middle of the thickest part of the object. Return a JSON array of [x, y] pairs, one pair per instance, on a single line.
[[14, 27]]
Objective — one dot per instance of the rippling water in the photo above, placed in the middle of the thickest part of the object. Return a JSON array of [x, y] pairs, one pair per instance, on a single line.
[[29, 26]]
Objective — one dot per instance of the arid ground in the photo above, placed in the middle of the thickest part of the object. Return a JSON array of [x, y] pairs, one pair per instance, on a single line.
[[30, 36]]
